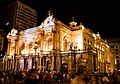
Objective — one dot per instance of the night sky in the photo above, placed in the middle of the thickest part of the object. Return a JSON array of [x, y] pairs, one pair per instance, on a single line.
[[99, 16]]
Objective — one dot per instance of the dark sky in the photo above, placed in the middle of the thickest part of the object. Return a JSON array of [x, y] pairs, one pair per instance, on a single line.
[[99, 16]]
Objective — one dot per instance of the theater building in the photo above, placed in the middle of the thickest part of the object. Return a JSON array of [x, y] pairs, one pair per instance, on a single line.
[[55, 46]]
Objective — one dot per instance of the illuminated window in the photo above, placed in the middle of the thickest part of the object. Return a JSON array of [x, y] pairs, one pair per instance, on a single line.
[[91, 42]]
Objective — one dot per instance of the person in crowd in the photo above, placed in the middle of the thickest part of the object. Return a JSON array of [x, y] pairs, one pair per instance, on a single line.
[[77, 79], [93, 78], [118, 78], [2, 76], [48, 78], [73, 79], [32, 77], [86, 77], [41, 75], [105, 79], [115, 76], [54, 76], [19, 77]]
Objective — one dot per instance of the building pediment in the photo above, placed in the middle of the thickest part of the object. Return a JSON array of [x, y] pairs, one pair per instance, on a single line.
[[48, 22]]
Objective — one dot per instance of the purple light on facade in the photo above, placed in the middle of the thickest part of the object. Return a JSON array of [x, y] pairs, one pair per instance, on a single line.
[[21, 62], [29, 62]]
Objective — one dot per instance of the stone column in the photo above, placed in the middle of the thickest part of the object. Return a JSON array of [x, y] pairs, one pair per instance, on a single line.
[[58, 63], [17, 47], [8, 48], [52, 54], [40, 55], [8, 53], [16, 50]]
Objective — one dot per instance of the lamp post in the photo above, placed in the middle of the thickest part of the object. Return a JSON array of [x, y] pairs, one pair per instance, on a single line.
[[35, 47], [73, 58]]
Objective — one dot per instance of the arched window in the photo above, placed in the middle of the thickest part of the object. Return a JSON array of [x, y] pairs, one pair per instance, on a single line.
[[49, 44], [65, 44]]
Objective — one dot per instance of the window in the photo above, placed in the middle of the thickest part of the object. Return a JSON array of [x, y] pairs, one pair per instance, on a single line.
[[117, 53], [117, 46], [30, 45], [88, 41], [75, 47], [85, 48], [117, 61], [116, 50], [84, 39], [91, 42], [112, 46], [117, 57]]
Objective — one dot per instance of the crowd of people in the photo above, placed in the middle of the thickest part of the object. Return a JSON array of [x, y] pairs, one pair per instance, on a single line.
[[34, 76]]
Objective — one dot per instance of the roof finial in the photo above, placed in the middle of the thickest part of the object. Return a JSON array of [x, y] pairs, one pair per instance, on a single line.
[[98, 34], [73, 19], [72, 24], [49, 12]]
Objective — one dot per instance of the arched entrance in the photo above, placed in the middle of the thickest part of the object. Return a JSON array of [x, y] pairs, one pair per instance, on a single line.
[[81, 64]]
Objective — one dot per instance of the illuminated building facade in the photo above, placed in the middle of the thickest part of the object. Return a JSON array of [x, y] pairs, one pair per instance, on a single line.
[[58, 47], [18, 16], [115, 49]]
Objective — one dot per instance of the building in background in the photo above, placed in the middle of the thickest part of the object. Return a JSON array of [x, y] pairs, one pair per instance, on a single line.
[[2, 53], [55, 46], [115, 49], [1, 39], [19, 16]]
